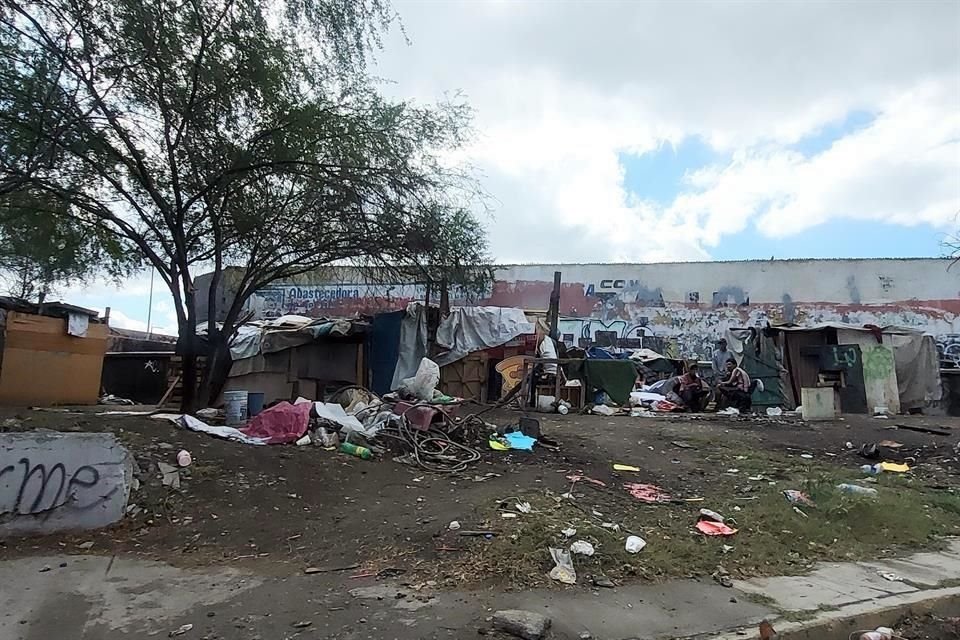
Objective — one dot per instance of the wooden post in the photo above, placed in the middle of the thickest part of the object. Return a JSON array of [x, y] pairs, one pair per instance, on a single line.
[[553, 314]]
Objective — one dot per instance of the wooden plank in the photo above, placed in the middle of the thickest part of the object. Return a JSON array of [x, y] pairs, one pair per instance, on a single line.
[[169, 392]]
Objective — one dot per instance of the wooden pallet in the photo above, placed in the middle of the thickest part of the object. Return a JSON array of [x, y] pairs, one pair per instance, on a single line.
[[174, 394]]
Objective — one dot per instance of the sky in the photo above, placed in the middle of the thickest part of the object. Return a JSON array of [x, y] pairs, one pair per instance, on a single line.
[[640, 131]]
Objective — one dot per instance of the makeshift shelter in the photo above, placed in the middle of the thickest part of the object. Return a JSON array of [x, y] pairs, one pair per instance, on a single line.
[[296, 356], [50, 353], [463, 345], [891, 368]]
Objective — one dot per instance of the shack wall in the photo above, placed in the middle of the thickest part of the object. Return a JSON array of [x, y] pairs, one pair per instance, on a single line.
[[42, 365]]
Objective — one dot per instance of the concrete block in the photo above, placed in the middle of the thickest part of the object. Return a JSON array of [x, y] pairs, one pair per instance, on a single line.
[[53, 481], [819, 403], [927, 569], [834, 585]]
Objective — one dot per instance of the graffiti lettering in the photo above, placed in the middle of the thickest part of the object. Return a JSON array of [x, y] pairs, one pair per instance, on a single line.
[[41, 491]]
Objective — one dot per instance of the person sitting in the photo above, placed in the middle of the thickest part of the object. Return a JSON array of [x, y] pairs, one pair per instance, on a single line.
[[692, 391], [734, 390]]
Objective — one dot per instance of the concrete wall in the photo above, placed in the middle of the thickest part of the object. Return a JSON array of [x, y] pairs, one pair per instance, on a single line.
[[685, 306], [62, 481]]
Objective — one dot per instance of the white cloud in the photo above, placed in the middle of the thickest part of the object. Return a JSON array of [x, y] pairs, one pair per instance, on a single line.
[[562, 89]]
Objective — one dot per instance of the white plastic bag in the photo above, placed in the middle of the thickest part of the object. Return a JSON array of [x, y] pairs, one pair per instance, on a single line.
[[635, 544], [564, 571], [582, 547], [424, 381]]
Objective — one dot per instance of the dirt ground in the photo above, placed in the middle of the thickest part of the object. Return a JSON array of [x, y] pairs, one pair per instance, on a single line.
[[929, 627], [280, 509]]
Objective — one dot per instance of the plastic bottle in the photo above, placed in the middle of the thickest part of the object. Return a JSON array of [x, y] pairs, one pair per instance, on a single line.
[[855, 489], [354, 450], [872, 469]]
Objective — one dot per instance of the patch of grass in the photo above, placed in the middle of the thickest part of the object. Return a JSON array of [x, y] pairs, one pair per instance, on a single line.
[[772, 539]]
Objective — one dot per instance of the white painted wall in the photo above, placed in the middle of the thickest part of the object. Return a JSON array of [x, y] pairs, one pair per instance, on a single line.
[[835, 281]]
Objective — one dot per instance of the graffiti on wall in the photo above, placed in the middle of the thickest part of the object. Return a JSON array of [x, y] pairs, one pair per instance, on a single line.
[[627, 311], [37, 490]]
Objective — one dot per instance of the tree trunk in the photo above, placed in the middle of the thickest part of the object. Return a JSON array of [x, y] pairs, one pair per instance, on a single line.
[[187, 348], [217, 368]]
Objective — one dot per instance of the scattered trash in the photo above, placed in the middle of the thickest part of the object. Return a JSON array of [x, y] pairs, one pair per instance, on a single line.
[[582, 547], [521, 624], [682, 445], [773, 412], [602, 410], [848, 445], [170, 475], [766, 631], [871, 469], [800, 512], [869, 450], [356, 450], [507, 514], [602, 581], [453, 526], [806, 456], [855, 489], [707, 514], [303, 624], [524, 507], [424, 381], [729, 411], [894, 467], [635, 544], [798, 497], [563, 571], [610, 525], [722, 577], [578, 478], [181, 630], [646, 492], [45, 568], [726, 548], [183, 458], [887, 575], [303, 440], [625, 467], [207, 413], [890, 444], [569, 533], [710, 528], [512, 440]]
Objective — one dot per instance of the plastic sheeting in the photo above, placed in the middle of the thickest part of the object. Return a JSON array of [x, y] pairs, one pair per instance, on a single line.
[[918, 368], [283, 333], [465, 330]]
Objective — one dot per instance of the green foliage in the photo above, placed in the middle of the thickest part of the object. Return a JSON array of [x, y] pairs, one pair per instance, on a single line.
[[215, 133], [41, 248]]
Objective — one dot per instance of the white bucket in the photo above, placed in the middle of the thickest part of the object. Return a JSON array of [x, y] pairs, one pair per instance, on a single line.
[[235, 407]]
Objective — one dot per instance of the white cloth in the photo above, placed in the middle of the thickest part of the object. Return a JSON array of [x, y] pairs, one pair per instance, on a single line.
[[548, 350], [77, 324], [465, 330], [189, 422]]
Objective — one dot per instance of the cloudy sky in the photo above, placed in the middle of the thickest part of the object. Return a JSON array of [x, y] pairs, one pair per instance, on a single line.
[[683, 130]]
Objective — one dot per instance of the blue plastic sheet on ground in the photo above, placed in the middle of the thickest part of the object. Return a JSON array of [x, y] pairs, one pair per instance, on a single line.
[[520, 441]]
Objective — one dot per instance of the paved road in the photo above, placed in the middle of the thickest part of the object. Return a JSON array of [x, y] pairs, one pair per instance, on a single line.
[[103, 598]]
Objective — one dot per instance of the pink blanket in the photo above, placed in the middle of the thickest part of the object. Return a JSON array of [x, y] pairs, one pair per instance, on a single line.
[[281, 423]]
